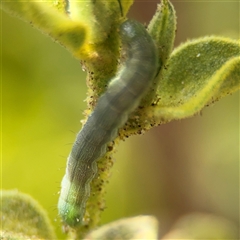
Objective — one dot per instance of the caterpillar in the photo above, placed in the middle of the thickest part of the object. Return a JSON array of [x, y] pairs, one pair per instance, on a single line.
[[111, 112]]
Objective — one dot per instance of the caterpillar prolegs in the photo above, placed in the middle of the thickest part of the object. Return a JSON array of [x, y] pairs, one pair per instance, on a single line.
[[111, 112]]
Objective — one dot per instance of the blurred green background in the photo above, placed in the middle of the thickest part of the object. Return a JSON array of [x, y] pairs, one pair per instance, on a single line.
[[180, 167]]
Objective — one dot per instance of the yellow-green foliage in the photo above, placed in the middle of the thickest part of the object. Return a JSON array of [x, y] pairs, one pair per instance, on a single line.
[[21, 217], [198, 73], [194, 75]]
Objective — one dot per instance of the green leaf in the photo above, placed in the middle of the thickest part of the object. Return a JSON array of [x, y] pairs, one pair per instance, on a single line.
[[125, 5], [21, 217], [141, 227], [50, 21], [198, 73], [162, 29]]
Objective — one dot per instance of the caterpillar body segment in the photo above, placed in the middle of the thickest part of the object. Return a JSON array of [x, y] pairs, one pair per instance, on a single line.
[[122, 97]]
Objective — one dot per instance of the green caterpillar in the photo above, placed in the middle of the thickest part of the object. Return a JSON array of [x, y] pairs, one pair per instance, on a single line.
[[122, 97]]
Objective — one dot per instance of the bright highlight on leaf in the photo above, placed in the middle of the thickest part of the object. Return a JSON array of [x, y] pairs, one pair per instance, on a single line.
[[104, 17]]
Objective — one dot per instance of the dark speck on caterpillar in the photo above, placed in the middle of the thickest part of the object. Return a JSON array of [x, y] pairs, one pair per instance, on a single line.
[[121, 98]]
